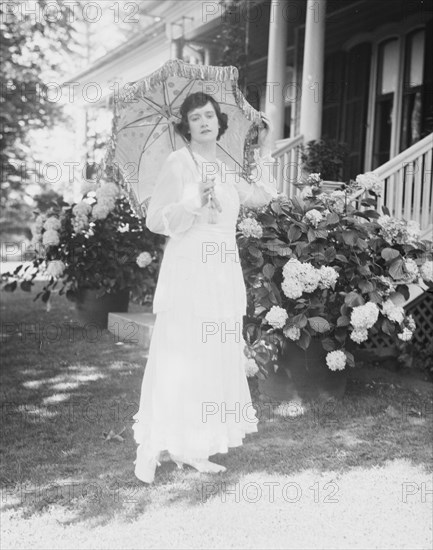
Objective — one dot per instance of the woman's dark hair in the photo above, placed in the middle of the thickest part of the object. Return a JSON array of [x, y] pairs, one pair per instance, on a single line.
[[193, 101]]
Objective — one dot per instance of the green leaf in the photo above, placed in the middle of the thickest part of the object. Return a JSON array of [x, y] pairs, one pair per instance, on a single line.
[[404, 290], [350, 358], [332, 218], [354, 299], [349, 237], [311, 235], [300, 320], [304, 340], [268, 271], [321, 233], [330, 254], [343, 321], [388, 327], [319, 324], [341, 258], [340, 334], [364, 270], [294, 233], [375, 297], [389, 254], [254, 252], [396, 269], [372, 214], [366, 286], [285, 251], [328, 344]]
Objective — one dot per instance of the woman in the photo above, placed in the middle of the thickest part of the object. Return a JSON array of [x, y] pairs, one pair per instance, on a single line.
[[195, 400]]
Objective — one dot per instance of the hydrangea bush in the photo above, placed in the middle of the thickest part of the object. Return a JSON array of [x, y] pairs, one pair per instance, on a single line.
[[97, 243], [328, 266]]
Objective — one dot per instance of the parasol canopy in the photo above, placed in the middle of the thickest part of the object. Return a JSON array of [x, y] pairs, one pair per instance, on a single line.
[[143, 125]]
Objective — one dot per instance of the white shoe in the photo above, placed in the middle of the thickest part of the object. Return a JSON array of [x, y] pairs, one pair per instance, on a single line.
[[145, 466], [200, 464]]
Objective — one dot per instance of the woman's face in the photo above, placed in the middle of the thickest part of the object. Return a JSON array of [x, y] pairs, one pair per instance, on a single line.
[[203, 124]]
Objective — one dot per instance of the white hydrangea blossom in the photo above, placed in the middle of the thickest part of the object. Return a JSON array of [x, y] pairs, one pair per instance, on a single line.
[[250, 227], [337, 201], [410, 323], [277, 317], [370, 182], [52, 224], [393, 312], [314, 217], [405, 335], [37, 231], [413, 231], [328, 277], [292, 288], [123, 228], [359, 335], [39, 223], [388, 282], [426, 271], [81, 213], [101, 210], [399, 231], [50, 238], [55, 268], [106, 196], [299, 277], [107, 190], [144, 259], [293, 333], [314, 179], [412, 271], [310, 277], [251, 368], [365, 316], [336, 360]]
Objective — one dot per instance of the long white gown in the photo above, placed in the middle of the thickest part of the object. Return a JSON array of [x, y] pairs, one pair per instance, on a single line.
[[195, 400]]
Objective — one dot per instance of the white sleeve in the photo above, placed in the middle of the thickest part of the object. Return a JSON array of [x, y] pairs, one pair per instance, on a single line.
[[262, 188], [173, 207]]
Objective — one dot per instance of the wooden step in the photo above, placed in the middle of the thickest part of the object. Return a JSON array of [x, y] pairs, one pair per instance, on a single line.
[[135, 328]]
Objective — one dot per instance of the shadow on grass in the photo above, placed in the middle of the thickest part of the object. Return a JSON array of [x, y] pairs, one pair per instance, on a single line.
[[62, 395]]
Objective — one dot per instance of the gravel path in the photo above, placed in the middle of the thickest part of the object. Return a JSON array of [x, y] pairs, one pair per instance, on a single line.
[[384, 508]]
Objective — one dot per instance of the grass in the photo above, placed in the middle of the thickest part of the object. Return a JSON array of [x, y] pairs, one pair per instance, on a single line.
[[65, 485]]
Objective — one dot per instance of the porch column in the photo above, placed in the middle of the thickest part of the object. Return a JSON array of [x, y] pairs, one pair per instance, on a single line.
[[177, 48], [276, 75], [313, 71]]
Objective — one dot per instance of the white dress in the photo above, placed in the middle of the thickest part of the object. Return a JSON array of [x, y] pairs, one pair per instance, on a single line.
[[195, 400]]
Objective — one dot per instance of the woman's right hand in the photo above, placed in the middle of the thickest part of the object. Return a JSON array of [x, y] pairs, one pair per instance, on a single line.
[[207, 189]]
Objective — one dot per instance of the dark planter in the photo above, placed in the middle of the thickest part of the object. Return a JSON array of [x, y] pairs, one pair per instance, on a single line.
[[303, 376], [92, 310]]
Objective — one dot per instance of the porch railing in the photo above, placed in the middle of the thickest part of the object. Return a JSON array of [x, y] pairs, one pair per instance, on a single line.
[[288, 168], [408, 178], [408, 181]]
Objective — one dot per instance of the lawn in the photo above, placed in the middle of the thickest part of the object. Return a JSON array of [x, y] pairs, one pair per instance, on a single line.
[[351, 474]]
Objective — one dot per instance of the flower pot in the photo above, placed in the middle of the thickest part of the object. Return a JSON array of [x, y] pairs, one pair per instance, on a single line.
[[93, 310], [303, 376]]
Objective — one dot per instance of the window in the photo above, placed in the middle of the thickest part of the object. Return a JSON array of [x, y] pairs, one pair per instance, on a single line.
[[411, 123], [387, 78]]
